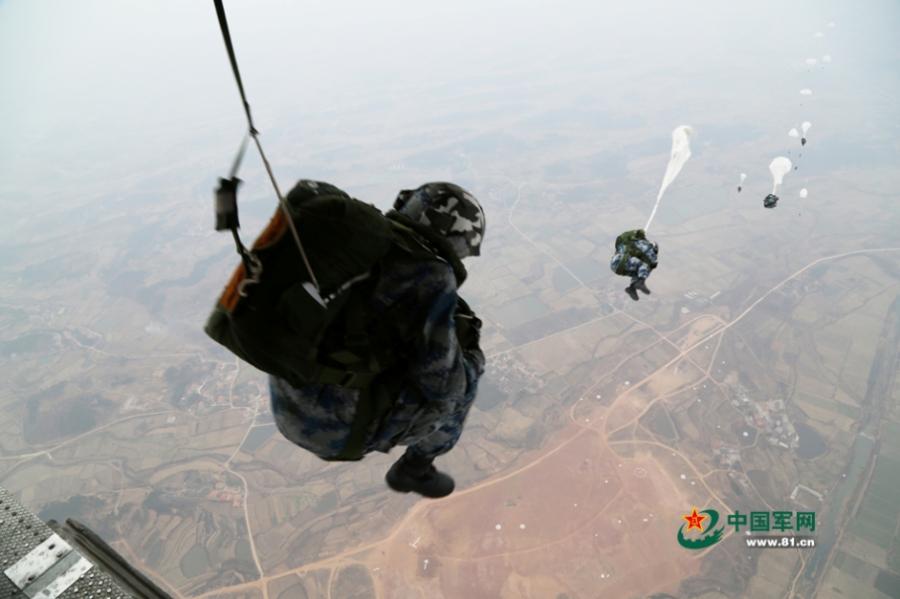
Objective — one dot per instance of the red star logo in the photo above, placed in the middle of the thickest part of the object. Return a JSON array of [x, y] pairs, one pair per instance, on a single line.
[[695, 520]]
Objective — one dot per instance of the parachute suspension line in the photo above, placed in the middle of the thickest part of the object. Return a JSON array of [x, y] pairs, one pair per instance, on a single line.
[[653, 213], [254, 133], [681, 152]]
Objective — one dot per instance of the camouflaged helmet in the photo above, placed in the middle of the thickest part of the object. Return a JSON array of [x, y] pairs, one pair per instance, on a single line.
[[450, 211]]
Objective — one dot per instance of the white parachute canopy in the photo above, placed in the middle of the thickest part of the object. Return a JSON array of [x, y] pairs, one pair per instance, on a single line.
[[805, 127], [805, 92], [793, 133], [743, 178], [804, 193], [779, 167], [681, 152]]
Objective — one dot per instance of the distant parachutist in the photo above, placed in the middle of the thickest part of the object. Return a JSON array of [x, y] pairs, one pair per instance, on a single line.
[[635, 257], [805, 128], [741, 184], [779, 167]]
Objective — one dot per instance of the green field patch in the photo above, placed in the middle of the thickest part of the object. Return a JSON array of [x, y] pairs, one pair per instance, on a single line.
[[871, 532], [658, 421], [892, 453], [873, 506], [843, 408], [886, 505], [242, 550], [890, 436], [855, 567], [888, 583], [195, 562], [883, 521], [521, 310], [563, 281], [885, 493], [883, 487], [887, 467], [845, 585], [257, 436], [830, 405], [893, 557]]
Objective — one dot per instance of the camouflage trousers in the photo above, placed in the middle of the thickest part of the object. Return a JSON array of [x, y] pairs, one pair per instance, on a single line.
[[444, 431], [318, 418], [633, 267]]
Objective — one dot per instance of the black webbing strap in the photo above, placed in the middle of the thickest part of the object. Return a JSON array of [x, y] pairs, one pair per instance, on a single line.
[[226, 194], [372, 405], [240, 157], [227, 215]]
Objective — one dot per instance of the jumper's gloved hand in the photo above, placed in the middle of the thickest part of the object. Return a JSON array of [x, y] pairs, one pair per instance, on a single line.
[[468, 326]]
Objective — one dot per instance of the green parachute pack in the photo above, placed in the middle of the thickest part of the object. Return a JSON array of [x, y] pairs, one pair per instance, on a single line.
[[278, 321]]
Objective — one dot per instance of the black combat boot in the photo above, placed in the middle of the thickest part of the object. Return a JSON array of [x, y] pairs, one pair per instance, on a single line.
[[641, 285], [419, 476], [632, 292]]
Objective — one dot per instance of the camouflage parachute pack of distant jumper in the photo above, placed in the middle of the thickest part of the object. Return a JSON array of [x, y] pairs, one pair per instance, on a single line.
[[628, 239]]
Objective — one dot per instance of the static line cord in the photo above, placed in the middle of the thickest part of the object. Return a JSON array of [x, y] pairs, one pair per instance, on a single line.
[[284, 208], [236, 165], [229, 47]]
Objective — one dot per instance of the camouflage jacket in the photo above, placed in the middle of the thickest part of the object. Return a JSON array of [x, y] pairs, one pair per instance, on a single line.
[[438, 372], [633, 244]]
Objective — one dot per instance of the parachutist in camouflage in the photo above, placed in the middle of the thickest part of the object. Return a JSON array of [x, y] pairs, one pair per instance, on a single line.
[[770, 201], [635, 257], [433, 378]]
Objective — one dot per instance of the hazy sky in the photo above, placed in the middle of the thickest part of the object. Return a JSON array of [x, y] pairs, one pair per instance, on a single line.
[[93, 91]]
